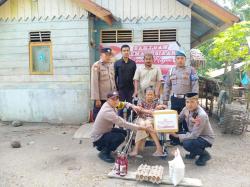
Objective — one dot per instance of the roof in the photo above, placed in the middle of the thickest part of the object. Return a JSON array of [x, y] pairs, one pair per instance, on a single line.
[[98, 11], [219, 72], [208, 19]]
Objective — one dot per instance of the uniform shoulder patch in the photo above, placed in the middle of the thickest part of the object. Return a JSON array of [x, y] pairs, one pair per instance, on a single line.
[[96, 66]]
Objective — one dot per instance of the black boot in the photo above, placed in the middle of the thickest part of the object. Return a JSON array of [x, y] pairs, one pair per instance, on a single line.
[[99, 148], [105, 156], [202, 160], [190, 156]]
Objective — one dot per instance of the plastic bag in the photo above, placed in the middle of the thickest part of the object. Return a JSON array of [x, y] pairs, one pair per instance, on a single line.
[[176, 168], [245, 80]]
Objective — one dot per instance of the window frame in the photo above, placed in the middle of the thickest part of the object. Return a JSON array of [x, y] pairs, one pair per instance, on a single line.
[[116, 36], [31, 63], [159, 34]]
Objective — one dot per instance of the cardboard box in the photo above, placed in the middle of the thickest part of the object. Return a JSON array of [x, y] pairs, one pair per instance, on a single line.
[[166, 121]]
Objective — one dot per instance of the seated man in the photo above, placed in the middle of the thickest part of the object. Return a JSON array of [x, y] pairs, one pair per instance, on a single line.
[[200, 133], [105, 137], [146, 119]]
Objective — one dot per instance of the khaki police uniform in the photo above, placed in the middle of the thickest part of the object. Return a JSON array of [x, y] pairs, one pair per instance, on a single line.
[[180, 81], [102, 80]]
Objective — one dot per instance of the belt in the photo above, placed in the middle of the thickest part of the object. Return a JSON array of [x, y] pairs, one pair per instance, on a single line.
[[179, 95]]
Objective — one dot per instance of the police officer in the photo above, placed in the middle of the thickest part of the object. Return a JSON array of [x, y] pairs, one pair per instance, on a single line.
[[105, 137], [200, 134], [102, 79], [181, 80]]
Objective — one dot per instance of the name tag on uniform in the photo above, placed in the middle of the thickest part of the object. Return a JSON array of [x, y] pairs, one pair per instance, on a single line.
[[165, 121]]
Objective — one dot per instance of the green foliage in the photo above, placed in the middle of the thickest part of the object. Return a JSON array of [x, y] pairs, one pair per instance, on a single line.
[[227, 47], [242, 8]]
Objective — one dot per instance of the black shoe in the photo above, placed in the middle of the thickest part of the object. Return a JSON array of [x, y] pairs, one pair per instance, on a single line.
[[202, 160], [99, 148], [106, 157], [190, 156], [174, 143]]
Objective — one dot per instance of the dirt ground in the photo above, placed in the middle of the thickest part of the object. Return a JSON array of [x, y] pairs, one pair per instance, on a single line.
[[49, 157]]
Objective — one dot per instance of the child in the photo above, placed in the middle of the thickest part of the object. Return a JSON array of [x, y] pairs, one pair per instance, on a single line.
[[146, 119]]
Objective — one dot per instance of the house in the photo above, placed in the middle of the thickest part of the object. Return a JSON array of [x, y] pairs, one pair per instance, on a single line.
[[48, 47]]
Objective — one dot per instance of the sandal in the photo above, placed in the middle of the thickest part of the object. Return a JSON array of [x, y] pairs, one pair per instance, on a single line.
[[157, 154]]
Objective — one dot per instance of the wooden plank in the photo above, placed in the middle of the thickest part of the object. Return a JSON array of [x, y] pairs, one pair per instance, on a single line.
[[45, 78], [83, 132], [52, 25], [14, 64], [57, 71], [166, 180], [84, 62], [46, 85], [205, 21], [20, 57], [56, 55], [205, 37], [34, 8], [217, 11], [127, 8], [5, 9], [71, 55], [60, 41], [14, 8]]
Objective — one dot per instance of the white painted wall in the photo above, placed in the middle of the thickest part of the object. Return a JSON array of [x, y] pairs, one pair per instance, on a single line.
[[134, 9], [59, 98]]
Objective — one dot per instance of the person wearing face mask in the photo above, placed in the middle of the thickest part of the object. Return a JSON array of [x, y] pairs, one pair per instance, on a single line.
[[200, 134], [105, 137], [181, 80], [146, 76], [102, 79]]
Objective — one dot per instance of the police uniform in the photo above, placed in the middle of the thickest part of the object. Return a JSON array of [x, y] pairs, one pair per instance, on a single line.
[[180, 81], [102, 81], [200, 134], [104, 136]]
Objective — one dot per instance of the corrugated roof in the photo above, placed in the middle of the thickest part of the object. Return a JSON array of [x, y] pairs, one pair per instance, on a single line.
[[219, 72], [208, 19]]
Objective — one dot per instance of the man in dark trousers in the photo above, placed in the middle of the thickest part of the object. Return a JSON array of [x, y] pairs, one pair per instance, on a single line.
[[200, 134], [124, 72], [181, 80], [102, 79], [105, 137]]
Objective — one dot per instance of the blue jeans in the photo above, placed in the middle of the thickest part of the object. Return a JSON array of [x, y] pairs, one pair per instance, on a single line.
[[196, 146]]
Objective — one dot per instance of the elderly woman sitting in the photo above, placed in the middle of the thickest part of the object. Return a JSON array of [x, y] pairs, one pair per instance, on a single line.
[[146, 119]]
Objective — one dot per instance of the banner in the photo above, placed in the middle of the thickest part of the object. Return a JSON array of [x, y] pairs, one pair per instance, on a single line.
[[163, 52]]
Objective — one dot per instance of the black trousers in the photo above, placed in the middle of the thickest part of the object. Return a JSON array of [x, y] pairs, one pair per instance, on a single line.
[[96, 109], [111, 140], [178, 104]]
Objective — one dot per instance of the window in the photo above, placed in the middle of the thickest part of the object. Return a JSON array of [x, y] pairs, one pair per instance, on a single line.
[[116, 36], [163, 35], [41, 36], [40, 53]]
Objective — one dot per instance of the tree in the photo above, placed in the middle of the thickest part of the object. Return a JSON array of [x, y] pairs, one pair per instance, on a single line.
[[228, 48], [242, 7]]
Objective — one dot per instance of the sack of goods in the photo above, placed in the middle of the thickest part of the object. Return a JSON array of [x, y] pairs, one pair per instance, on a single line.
[[176, 168], [148, 173]]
